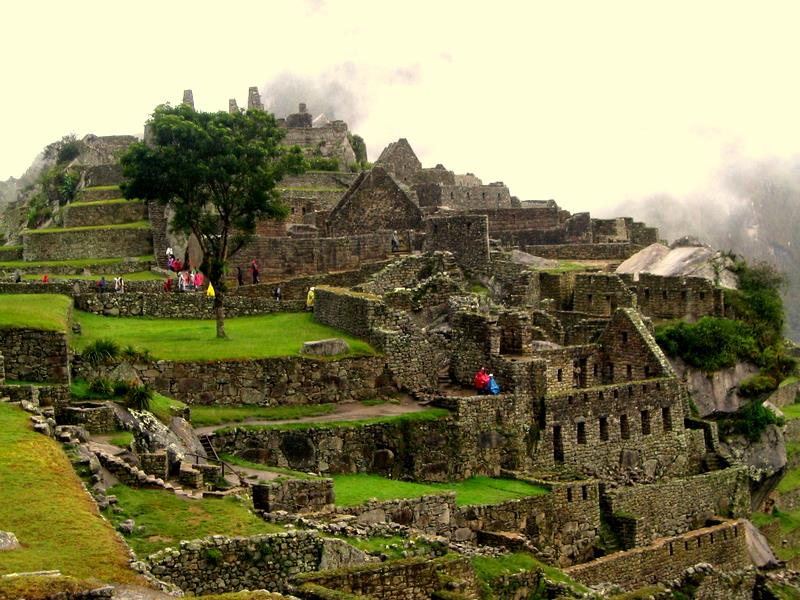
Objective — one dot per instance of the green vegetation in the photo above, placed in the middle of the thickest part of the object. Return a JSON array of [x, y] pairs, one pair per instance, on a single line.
[[136, 397], [352, 490], [479, 289], [565, 267], [429, 414], [77, 263], [167, 518], [138, 276], [133, 225], [45, 505], [163, 407], [240, 462], [321, 163], [750, 420], [710, 344], [101, 187], [35, 311], [123, 439], [393, 548], [278, 334], [215, 414], [756, 385], [104, 202], [791, 411], [491, 568], [101, 351]]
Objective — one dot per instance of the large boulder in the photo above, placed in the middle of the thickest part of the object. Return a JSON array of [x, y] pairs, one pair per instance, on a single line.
[[329, 347], [715, 392]]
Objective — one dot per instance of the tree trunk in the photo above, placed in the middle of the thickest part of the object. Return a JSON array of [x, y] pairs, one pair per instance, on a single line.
[[219, 310]]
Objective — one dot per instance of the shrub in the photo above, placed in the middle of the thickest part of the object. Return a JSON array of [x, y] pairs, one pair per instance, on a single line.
[[752, 419], [213, 556], [101, 351], [131, 354], [710, 344], [321, 163], [101, 387], [121, 388], [139, 397], [757, 385]]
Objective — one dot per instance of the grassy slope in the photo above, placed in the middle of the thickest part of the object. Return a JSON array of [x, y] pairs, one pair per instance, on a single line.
[[167, 519], [280, 334], [356, 489], [36, 311], [44, 504], [214, 415]]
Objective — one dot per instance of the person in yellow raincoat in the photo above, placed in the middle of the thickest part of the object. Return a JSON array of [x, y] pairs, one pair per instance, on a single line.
[[310, 299], [210, 290]]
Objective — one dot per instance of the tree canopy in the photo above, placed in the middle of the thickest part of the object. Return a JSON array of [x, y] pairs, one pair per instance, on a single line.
[[218, 172]]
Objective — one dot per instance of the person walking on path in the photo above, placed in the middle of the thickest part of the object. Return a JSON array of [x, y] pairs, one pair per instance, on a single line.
[[395, 242], [254, 268], [310, 299], [278, 293], [239, 276]]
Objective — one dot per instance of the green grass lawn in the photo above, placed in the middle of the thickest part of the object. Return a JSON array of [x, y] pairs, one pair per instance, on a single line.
[[138, 276], [352, 490], [791, 411], [35, 311], [214, 415], [123, 439], [78, 263], [133, 225], [278, 334], [491, 568], [44, 504], [167, 518], [104, 202], [240, 462], [429, 414]]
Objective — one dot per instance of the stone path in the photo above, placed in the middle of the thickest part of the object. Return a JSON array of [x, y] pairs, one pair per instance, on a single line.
[[348, 411], [135, 592]]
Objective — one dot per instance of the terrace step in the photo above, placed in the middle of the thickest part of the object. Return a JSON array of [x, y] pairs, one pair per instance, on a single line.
[[108, 266], [133, 239], [111, 212], [93, 194]]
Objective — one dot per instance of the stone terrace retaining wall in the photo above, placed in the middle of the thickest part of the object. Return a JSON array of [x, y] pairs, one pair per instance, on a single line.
[[680, 505], [409, 579], [218, 564], [432, 514], [188, 305], [264, 382], [87, 243], [94, 214], [723, 546], [35, 355], [294, 495], [610, 251]]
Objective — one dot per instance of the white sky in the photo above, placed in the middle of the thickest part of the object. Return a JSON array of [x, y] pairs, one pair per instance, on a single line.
[[590, 103]]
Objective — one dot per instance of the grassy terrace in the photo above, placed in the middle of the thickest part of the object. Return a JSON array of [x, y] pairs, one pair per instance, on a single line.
[[280, 334], [491, 568], [44, 504], [78, 263], [138, 276], [105, 202], [134, 225], [791, 411], [167, 518], [35, 311]]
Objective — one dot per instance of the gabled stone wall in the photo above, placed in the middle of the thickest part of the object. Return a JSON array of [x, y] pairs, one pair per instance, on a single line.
[[686, 298], [601, 294], [465, 236]]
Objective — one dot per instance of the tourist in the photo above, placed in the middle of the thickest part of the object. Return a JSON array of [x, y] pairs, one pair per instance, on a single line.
[[278, 293], [395, 242], [210, 291], [119, 285], [254, 269], [310, 299], [101, 284], [168, 284], [198, 280], [170, 253], [480, 381], [17, 277], [239, 276], [45, 278], [492, 386]]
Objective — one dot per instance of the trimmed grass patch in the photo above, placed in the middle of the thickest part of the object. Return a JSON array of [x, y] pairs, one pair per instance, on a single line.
[[161, 407], [35, 311], [121, 439], [236, 461], [44, 504], [791, 411], [138, 276], [429, 414], [104, 202], [78, 263], [214, 415], [352, 490], [278, 334], [167, 519], [489, 568], [133, 225]]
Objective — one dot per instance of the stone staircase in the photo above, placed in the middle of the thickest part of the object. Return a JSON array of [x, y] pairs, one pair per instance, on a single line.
[[129, 474]]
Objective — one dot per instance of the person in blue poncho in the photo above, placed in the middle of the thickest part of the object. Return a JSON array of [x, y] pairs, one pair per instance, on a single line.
[[492, 386]]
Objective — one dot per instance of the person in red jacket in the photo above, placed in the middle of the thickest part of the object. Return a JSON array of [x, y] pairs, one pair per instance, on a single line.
[[480, 381]]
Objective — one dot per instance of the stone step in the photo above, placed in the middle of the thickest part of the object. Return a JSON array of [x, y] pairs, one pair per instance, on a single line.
[[133, 239], [93, 194], [106, 212]]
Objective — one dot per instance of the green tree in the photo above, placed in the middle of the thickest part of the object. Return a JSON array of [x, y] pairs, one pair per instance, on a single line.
[[218, 172]]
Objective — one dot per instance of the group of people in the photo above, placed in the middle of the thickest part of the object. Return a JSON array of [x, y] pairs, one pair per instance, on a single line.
[[102, 285], [485, 383], [185, 281], [254, 273]]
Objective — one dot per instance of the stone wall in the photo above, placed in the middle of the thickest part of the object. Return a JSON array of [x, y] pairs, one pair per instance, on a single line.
[[188, 305], [352, 312], [463, 235], [263, 382], [457, 197], [407, 579], [434, 514], [609, 251], [687, 298], [35, 355], [9, 253], [279, 256], [217, 564], [294, 495], [101, 213], [601, 294], [318, 180], [329, 141], [676, 506], [629, 350], [97, 175], [60, 244], [95, 417], [722, 546]]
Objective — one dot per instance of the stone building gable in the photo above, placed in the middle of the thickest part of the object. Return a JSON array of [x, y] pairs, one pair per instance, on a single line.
[[375, 201], [399, 159], [630, 350]]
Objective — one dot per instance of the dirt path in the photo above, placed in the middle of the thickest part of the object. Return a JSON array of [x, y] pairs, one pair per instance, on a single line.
[[348, 411]]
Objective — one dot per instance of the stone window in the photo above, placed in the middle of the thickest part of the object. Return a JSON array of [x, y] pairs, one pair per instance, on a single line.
[[647, 293], [569, 494], [629, 371], [624, 428], [581, 433], [498, 196], [664, 294], [604, 428], [559, 374], [611, 371], [646, 371], [666, 418], [684, 295], [702, 295], [616, 393], [589, 299], [671, 549], [483, 195], [585, 492], [569, 400], [645, 422], [451, 195], [594, 369], [624, 337], [558, 447]]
